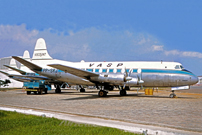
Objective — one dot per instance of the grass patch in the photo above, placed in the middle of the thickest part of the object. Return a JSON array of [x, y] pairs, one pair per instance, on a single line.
[[18, 124]]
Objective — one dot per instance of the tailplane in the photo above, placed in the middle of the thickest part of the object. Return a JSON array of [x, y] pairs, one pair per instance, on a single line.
[[40, 51]]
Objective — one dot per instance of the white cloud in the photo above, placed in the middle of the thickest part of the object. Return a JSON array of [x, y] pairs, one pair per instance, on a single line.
[[172, 52], [184, 53], [14, 39], [192, 54], [17, 33], [89, 44], [157, 47]]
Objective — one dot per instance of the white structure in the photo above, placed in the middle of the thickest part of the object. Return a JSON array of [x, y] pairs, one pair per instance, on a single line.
[[11, 62]]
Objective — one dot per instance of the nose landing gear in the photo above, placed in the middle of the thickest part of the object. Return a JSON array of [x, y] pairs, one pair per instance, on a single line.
[[172, 95]]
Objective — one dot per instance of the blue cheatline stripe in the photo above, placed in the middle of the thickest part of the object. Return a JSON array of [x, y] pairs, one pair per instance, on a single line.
[[166, 71]]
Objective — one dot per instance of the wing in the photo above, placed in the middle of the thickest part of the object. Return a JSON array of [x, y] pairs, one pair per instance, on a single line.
[[75, 71], [28, 64], [18, 78], [31, 77], [18, 70]]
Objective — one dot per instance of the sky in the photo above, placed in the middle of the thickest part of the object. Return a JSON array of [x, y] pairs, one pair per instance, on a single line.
[[105, 30]]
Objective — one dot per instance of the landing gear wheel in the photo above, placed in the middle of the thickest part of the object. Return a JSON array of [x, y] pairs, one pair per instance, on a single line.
[[82, 90], [28, 92], [123, 92], [102, 93], [58, 90], [172, 95], [46, 90], [40, 91]]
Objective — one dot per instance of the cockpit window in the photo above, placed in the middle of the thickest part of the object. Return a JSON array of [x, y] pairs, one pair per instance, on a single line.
[[177, 67], [181, 67]]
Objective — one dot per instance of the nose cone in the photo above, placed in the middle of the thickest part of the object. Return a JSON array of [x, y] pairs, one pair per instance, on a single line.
[[194, 79]]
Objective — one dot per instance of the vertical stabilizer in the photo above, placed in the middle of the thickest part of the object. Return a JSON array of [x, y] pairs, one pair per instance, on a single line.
[[40, 51], [13, 63], [26, 56]]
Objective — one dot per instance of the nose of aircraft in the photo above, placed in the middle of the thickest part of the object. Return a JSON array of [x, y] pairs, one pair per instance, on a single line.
[[194, 79]]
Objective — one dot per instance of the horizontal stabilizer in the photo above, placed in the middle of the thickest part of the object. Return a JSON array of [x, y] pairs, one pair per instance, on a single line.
[[18, 70], [28, 64], [74, 71]]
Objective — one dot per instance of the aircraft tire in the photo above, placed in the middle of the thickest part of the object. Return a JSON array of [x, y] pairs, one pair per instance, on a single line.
[[82, 90], [40, 91], [123, 92], [46, 91], [172, 96], [102, 93], [28, 92]]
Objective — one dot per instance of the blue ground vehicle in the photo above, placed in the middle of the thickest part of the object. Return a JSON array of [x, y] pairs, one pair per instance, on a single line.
[[38, 87]]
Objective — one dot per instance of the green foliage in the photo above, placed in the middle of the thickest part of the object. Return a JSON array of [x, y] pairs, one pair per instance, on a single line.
[[18, 124]]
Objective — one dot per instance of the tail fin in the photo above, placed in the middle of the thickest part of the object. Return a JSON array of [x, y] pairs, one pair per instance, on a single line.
[[40, 51], [26, 56], [13, 63]]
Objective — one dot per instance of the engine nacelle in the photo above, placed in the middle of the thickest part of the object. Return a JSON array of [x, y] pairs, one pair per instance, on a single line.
[[132, 82], [115, 79], [109, 78]]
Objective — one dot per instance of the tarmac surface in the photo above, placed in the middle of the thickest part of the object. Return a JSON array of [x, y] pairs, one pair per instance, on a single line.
[[181, 113]]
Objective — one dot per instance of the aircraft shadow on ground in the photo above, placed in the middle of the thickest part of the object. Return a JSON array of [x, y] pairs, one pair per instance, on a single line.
[[90, 96]]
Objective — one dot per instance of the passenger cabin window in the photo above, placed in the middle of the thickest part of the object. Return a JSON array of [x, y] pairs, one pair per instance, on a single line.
[[91, 70], [97, 70], [111, 70], [118, 70], [134, 70], [127, 70], [104, 70]]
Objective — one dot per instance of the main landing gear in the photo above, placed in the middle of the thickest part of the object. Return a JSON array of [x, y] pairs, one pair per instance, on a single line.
[[172, 95], [102, 93], [57, 90], [82, 89], [123, 91]]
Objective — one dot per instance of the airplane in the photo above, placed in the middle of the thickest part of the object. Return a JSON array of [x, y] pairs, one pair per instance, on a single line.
[[108, 74], [29, 76], [120, 74]]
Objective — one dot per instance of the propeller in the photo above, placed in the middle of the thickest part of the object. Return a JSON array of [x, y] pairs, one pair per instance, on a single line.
[[126, 78], [139, 77]]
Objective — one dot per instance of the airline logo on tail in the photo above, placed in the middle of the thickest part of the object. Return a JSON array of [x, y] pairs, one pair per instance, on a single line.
[[40, 51]]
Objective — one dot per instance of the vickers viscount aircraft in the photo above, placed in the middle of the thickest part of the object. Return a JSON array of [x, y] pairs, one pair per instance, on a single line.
[[120, 74]]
